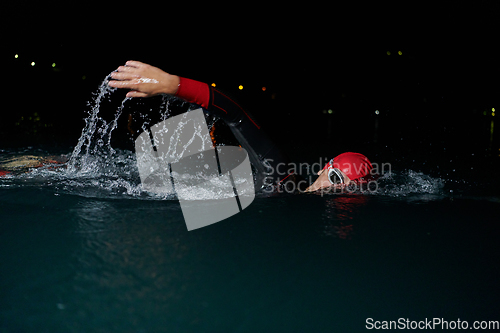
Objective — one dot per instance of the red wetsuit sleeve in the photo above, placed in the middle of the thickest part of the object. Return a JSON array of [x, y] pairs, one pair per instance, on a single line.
[[194, 92]]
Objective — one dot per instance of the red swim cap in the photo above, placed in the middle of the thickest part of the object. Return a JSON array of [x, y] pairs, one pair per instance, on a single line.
[[354, 165]]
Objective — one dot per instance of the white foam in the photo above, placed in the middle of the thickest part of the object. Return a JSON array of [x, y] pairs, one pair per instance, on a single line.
[[409, 182]]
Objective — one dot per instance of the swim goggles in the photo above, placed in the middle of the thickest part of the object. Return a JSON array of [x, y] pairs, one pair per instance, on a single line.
[[335, 176]]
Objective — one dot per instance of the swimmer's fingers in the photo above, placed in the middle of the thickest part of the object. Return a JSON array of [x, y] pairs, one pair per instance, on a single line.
[[125, 80], [125, 69], [135, 93], [127, 84], [124, 76], [131, 66], [135, 64]]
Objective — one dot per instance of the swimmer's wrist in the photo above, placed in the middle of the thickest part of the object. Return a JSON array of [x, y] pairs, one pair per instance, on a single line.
[[171, 84]]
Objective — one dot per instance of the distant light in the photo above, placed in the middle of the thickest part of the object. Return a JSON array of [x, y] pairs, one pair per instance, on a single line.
[[264, 88], [400, 53], [213, 84], [32, 63], [330, 111], [493, 110], [53, 64], [388, 52], [377, 112], [16, 56], [240, 87]]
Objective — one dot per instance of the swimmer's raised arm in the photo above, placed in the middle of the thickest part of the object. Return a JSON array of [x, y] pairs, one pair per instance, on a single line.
[[144, 80]]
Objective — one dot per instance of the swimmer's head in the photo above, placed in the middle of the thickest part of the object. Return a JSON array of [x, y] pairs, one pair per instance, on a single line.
[[342, 170], [353, 165]]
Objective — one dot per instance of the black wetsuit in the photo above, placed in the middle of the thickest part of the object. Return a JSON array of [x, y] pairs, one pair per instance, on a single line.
[[269, 163]]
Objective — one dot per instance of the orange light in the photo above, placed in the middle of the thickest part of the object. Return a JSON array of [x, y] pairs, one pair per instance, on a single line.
[[263, 88], [212, 136], [213, 84]]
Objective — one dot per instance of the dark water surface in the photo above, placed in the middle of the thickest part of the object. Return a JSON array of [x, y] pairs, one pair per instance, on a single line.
[[286, 264]]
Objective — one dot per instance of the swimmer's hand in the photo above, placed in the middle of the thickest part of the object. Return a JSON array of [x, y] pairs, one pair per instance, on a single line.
[[144, 80]]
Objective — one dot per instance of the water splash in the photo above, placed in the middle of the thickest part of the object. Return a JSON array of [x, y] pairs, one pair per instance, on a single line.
[[95, 168], [411, 185], [95, 140]]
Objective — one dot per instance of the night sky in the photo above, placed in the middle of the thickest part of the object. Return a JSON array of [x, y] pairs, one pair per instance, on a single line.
[[310, 58]]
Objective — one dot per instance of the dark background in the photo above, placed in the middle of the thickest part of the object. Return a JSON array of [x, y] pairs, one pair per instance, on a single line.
[[311, 58]]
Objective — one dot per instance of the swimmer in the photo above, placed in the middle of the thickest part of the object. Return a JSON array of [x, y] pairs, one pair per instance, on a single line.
[[342, 170], [144, 80]]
